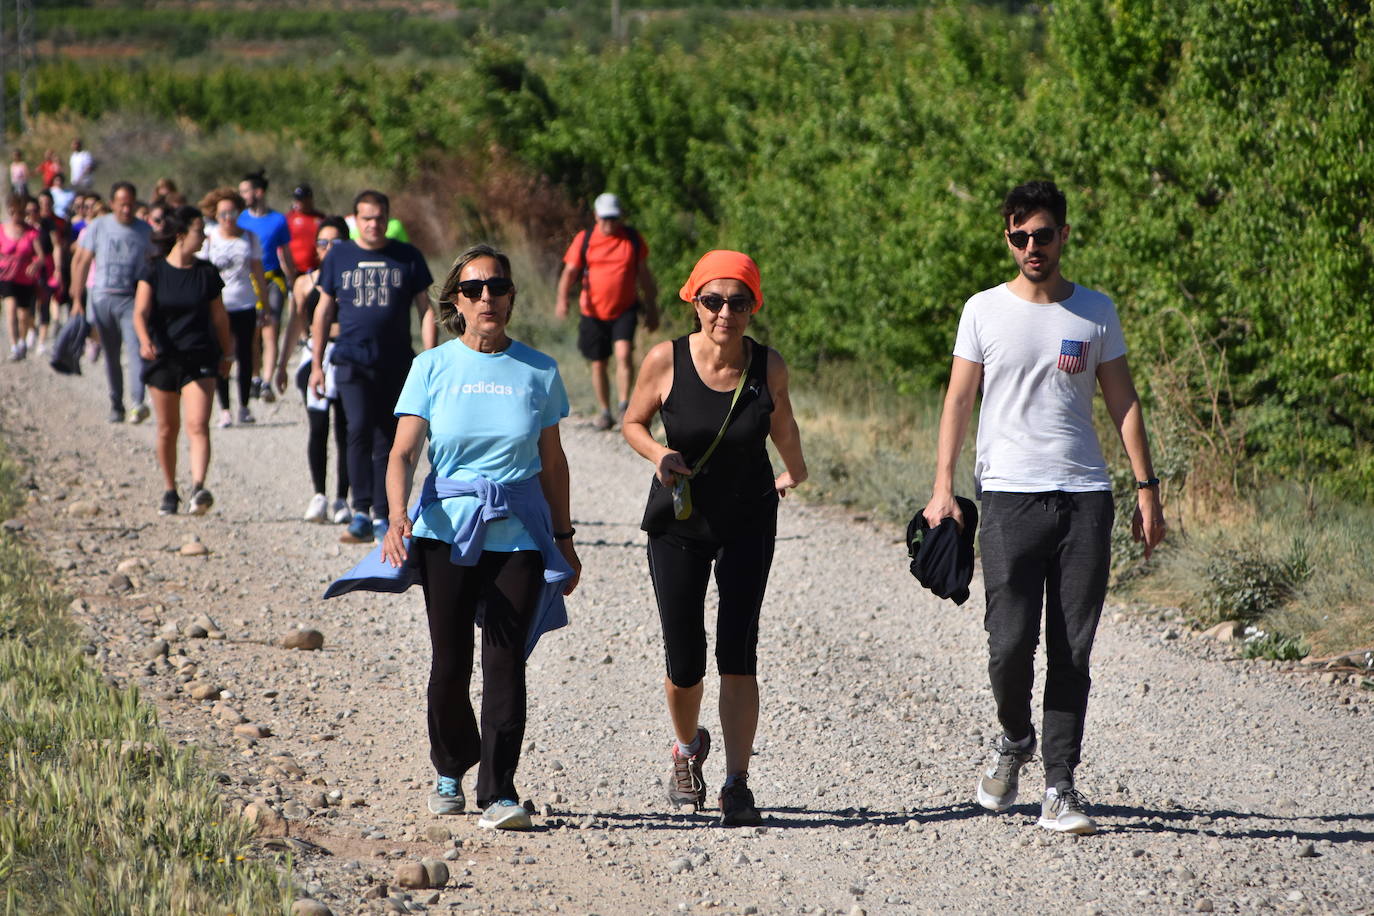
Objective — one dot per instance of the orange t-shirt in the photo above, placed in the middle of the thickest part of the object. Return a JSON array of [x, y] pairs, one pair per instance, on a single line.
[[611, 280]]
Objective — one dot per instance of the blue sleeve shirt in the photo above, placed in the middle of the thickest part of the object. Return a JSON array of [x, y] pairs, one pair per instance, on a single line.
[[272, 232], [486, 412]]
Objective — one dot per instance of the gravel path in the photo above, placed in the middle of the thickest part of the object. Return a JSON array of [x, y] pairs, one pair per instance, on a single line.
[[1220, 784]]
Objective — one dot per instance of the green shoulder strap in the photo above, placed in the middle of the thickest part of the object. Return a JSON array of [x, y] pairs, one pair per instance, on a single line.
[[729, 414]]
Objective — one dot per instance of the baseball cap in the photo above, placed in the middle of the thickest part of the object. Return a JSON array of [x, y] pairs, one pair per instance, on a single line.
[[607, 206], [303, 191]]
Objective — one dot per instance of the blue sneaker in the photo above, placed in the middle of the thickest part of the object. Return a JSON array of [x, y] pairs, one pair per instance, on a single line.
[[447, 797], [505, 814], [379, 529], [359, 530]]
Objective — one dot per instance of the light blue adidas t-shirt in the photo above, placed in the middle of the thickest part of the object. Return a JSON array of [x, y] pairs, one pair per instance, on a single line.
[[485, 414]]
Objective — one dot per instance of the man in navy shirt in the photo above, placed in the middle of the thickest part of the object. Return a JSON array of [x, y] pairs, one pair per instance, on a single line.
[[369, 286]]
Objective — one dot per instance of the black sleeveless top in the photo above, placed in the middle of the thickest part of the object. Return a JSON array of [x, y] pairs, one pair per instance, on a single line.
[[735, 489], [312, 299]]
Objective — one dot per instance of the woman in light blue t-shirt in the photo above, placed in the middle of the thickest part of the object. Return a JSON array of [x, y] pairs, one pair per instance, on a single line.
[[489, 407]]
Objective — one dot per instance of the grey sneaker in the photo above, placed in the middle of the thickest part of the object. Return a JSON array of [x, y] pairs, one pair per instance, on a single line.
[[447, 797], [603, 420], [997, 785], [1063, 812], [139, 414], [505, 814], [686, 785]]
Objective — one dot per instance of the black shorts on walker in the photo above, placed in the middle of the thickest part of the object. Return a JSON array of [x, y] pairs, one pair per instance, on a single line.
[[596, 338]]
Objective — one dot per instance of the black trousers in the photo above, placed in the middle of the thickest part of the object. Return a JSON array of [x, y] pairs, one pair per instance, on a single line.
[[1049, 551], [317, 446], [368, 401], [242, 324], [681, 569], [503, 591]]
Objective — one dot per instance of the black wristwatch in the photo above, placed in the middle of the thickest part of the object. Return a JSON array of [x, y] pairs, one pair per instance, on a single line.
[[564, 535], [1143, 484]]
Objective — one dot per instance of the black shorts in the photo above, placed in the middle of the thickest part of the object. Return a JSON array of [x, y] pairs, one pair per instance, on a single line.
[[174, 371], [22, 293], [595, 338]]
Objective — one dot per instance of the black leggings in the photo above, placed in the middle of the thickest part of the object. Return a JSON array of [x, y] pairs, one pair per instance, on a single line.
[[242, 324], [317, 446], [681, 568], [502, 591]]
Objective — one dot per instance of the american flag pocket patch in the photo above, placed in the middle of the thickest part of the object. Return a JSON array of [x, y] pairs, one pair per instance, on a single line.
[[1073, 355]]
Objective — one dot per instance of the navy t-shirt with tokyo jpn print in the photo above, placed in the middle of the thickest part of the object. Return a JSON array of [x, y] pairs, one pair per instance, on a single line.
[[375, 291]]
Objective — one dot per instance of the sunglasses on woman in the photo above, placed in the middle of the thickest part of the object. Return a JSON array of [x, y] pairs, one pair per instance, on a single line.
[[739, 304], [1043, 236], [327, 243], [499, 286]]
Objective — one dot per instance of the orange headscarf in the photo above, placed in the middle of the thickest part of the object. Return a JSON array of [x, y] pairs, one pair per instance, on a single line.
[[723, 264]]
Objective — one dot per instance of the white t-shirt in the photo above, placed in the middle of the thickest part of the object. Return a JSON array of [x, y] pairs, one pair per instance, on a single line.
[[1035, 431], [231, 258], [81, 163]]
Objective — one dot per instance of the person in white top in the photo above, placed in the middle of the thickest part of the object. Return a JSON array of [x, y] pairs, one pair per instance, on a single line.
[[237, 253], [81, 165], [1039, 347]]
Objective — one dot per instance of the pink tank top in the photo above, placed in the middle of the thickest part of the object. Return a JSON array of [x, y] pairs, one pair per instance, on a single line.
[[16, 255]]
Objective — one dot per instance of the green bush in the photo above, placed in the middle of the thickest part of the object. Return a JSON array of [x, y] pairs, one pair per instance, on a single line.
[[1247, 583]]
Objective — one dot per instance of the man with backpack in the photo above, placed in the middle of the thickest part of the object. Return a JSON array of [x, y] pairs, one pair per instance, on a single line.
[[611, 264]]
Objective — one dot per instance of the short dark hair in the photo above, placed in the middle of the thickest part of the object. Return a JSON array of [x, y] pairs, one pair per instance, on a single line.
[[257, 179], [123, 186], [337, 223], [445, 310], [1024, 199], [372, 197]]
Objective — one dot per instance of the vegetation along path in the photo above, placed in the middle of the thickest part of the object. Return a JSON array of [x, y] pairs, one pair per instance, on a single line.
[[1221, 785]]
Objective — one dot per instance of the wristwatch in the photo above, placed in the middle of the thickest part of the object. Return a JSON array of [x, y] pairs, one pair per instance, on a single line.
[[1143, 484]]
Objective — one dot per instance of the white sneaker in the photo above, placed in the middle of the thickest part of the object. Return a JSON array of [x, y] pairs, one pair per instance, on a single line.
[[318, 510], [340, 513], [1064, 813], [226, 419], [505, 814], [31, 339]]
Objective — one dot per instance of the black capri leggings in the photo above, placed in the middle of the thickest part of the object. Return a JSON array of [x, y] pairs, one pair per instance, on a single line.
[[242, 324], [317, 446], [504, 588], [681, 568]]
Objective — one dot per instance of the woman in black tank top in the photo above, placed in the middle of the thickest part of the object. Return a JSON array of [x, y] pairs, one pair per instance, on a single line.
[[692, 382]]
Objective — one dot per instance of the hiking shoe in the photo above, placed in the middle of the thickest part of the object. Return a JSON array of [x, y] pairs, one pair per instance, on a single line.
[[116, 415], [998, 784], [505, 814], [201, 501], [139, 414], [226, 419], [318, 510], [245, 416], [686, 785], [255, 388], [737, 804], [359, 530], [1063, 812], [169, 503], [269, 394], [447, 797], [339, 512], [603, 420]]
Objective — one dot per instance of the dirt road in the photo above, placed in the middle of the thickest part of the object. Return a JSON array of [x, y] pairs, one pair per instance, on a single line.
[[1220, 784]]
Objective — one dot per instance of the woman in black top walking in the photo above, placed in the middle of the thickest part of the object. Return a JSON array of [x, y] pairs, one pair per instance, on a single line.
[[715, 386], [183, 335]]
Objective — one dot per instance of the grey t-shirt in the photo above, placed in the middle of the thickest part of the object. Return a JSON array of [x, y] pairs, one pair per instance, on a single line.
[[121, 252], [1035, 431]]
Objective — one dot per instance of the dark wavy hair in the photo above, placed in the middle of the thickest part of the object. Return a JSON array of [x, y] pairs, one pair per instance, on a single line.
[[1025, 199], [176, 222]]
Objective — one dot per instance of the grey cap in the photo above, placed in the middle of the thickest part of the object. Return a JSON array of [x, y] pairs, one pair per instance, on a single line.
[[607, 206]]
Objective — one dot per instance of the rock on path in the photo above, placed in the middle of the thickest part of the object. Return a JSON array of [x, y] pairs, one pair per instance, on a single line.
[[1224, 786]]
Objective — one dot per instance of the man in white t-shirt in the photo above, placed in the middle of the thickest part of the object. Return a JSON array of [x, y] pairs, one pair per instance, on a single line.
[[1039, 347], [81, 165]]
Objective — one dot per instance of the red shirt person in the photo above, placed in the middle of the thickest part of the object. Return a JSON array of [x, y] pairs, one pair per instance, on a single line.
[[303, 223], [610, 261]]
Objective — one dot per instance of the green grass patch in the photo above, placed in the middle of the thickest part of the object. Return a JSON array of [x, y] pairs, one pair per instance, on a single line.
[[99, 813]]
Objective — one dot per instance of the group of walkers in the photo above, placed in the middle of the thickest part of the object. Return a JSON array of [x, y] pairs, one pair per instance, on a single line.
[[490, 534]]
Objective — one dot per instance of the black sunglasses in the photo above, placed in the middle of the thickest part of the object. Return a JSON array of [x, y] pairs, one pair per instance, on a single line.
[[328, 243], [714, 302], [499, 286], [1043, 236]]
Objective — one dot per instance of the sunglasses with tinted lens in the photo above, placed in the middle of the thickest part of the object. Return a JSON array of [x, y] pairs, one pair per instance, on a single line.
[[1043, 236], [472, 289], [327, 243], [739, 304]]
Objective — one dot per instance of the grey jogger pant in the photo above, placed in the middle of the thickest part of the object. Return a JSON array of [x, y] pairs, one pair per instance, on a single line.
[[1051, 551], [113, 317]]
